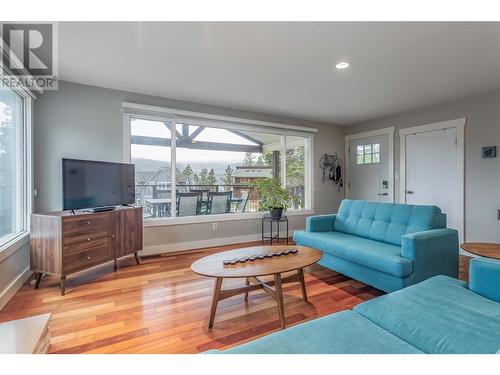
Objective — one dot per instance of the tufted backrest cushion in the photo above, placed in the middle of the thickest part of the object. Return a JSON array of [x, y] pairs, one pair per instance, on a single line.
[[386, 222]]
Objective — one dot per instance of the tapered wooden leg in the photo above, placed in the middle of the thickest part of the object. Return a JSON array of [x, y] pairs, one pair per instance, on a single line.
[[247, 283], [215, 301], [38, 277], [279, 299], [63, 286], [137, 259], [115, 266], [300, 271]]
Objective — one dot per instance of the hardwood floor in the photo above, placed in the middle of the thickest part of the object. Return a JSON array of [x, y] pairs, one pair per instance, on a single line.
[[161, 306]]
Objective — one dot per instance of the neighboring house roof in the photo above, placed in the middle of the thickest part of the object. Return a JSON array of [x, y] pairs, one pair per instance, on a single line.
[[162, 175], [253, 171]]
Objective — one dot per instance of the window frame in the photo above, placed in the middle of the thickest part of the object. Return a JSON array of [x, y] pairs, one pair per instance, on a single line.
[[137, 111], [10, 244]]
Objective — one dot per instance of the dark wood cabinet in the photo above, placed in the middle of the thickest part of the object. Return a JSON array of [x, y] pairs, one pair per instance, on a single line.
[[63, 243]]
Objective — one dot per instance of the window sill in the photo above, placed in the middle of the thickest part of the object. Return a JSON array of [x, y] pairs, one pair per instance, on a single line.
[[216, 218], [14, 244]]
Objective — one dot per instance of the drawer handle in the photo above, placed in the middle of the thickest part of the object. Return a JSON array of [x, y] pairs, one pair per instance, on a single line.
[[88, 222], [88, 239], [88, 258], [112, 236]]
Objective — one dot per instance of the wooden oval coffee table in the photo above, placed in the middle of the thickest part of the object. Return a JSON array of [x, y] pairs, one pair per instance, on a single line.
[[484, 249], [213, 266]]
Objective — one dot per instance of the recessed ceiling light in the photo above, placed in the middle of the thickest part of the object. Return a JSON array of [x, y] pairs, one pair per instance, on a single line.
[[343, 65]]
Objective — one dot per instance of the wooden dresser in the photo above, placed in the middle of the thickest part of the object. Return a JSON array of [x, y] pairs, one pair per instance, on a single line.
[[63, 243]]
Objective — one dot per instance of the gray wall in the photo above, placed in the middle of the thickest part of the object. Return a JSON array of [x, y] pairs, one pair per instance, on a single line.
[[482, 176], [85, 122]]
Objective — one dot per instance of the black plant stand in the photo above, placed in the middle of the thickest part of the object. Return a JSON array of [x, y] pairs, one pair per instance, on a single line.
[[268, 219]]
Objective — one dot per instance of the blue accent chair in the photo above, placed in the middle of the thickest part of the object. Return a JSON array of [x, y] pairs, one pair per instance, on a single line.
[[438, 316], [389, 246]]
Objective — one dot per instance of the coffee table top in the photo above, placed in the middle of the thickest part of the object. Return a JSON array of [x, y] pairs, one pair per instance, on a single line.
[[484, 249], [213, 266]]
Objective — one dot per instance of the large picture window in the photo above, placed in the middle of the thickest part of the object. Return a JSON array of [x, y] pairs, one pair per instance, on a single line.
[[195, 169], [12, 166]]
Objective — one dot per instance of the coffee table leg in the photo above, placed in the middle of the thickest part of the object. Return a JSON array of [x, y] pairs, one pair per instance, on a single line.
[[279, 298], [247, 283], [215, 300], [300, 271]]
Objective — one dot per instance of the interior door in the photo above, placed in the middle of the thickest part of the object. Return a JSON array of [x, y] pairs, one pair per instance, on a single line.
[[432, 171], [369, 169]]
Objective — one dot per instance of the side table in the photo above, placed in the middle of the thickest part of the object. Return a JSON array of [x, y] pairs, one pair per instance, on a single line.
[[268, 219]]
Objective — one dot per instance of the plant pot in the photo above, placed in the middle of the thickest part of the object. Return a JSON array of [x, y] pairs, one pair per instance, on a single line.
[[276, 213]]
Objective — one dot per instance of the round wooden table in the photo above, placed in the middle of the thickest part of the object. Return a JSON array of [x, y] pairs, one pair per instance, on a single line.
[[484, 249], [213, 266]]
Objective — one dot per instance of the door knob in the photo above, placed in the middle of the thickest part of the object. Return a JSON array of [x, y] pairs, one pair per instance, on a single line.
[[409, 192]]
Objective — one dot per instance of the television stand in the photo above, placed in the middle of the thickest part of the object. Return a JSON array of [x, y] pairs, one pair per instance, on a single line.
[[103, 208], [63, 243]]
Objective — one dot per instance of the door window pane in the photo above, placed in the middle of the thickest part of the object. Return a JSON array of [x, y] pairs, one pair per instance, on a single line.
[[368, 154], [11, 165]]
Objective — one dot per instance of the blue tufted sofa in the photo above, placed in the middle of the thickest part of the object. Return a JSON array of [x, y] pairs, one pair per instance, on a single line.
[[386, 245], [438, 316]]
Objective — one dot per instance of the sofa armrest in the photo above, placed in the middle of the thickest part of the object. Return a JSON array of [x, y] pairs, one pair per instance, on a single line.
[[433, 252], [484, 277], [320, 223]]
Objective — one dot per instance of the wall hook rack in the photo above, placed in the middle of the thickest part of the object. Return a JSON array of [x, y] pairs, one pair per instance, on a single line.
[[333, 164]]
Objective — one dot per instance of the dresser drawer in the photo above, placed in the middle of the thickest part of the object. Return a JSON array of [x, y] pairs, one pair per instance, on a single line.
[[77, 244], [78, 261], [84, 224]]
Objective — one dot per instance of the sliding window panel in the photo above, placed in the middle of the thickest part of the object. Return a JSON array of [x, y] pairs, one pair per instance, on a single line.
[[151, 153], [296, 173], [217, 166], [12, 180]]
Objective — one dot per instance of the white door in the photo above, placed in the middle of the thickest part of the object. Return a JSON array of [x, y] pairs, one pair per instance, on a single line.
[[432, 171], [369, 169]]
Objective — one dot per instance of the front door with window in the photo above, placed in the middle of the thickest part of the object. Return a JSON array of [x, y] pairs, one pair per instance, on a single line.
[[369, 173]]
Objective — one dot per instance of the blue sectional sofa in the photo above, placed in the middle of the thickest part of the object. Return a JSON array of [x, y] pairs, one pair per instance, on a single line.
[[389, 246], [440, 315]]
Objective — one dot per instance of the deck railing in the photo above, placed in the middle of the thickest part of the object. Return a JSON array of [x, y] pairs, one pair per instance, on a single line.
[[146, 193]]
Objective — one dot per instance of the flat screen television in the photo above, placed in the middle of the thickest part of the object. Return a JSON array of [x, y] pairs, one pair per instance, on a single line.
[[90, 184]]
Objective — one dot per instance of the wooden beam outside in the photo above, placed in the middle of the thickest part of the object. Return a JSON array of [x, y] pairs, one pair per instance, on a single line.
[[198, 130], [247, 137], [199, 145]]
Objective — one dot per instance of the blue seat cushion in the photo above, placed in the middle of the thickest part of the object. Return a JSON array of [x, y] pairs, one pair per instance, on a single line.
[[439, 315], [340, 333], [373, 254], [386, 222]]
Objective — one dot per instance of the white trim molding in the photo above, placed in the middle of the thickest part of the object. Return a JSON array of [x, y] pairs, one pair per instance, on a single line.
[[459, 124], [180, 115], [13, 287], [390, 145]]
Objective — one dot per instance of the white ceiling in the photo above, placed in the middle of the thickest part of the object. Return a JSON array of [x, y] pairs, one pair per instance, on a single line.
[[287, 68]]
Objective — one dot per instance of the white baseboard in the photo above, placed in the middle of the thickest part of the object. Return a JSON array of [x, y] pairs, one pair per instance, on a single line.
[[14, 286], [190, 245]]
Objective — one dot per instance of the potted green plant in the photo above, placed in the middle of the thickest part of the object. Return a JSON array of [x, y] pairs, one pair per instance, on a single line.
[[273, 196]]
